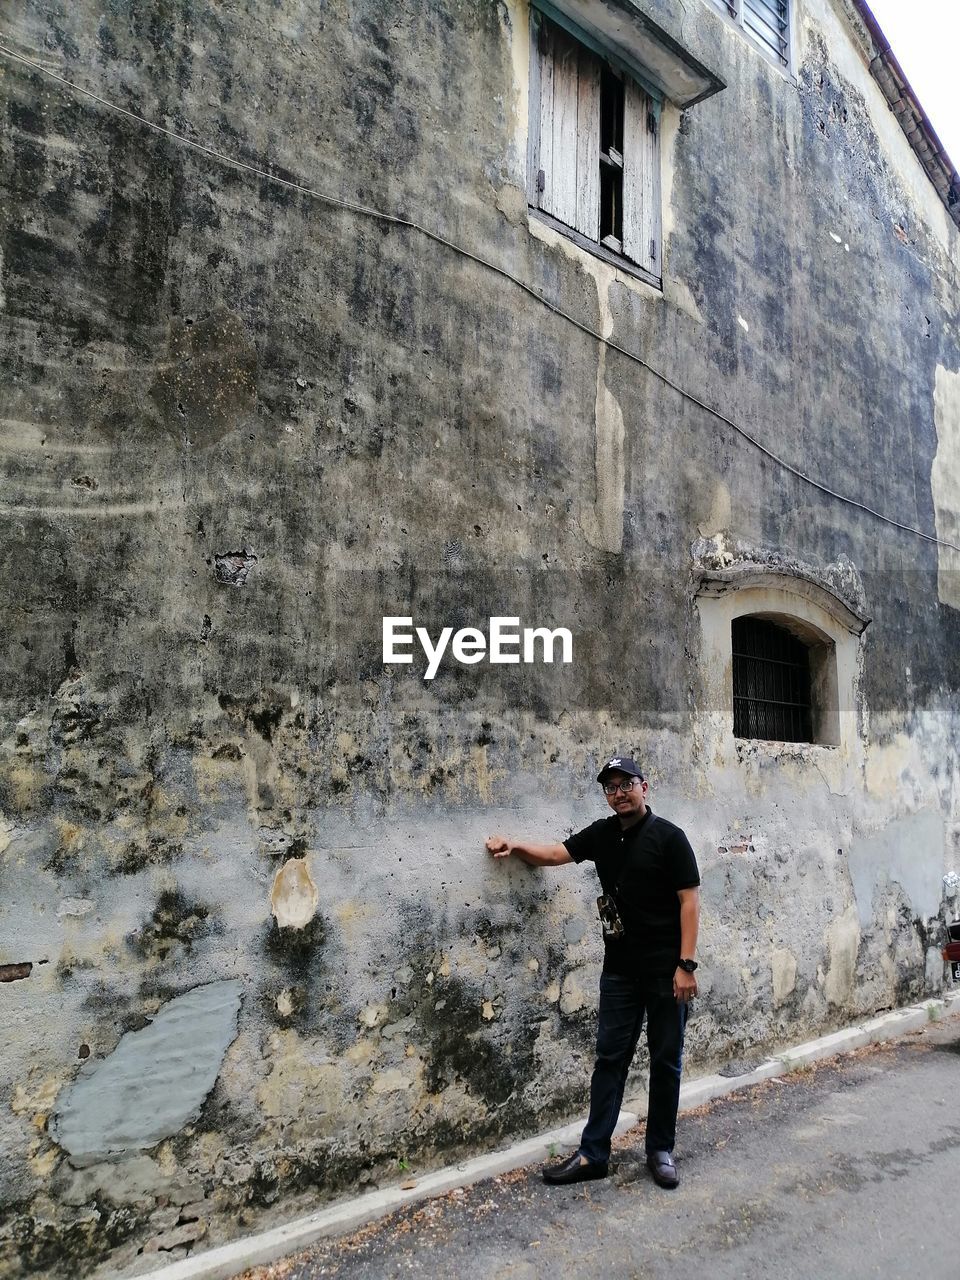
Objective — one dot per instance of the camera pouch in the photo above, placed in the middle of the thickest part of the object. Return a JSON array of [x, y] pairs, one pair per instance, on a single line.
[[609, 917]]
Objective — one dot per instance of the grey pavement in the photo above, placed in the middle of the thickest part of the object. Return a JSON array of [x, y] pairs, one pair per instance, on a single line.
[[847, 1169]]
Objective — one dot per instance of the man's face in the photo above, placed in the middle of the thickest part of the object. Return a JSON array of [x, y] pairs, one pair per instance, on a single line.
[[626, 804]]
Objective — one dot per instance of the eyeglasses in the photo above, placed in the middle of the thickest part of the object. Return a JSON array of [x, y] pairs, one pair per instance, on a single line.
[[611, 788]]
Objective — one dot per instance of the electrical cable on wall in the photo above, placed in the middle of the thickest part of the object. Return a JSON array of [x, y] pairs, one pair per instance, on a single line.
[[395, 220]]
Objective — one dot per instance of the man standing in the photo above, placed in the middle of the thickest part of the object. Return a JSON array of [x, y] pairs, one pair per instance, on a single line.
[[650, 912]]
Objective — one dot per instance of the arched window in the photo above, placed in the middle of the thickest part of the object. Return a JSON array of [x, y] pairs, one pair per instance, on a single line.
[[780, 663], [784, 680], [771, 682]]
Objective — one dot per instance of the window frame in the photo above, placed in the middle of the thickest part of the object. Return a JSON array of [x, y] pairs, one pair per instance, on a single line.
[[625, 69], [819, 679], [733, 11], [803, 600]]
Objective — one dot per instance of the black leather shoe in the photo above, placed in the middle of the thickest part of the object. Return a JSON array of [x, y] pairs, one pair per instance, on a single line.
[[573, 1169], [660, 1164]]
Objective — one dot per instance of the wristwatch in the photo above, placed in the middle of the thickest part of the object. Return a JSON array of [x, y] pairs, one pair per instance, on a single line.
[[688, 966]]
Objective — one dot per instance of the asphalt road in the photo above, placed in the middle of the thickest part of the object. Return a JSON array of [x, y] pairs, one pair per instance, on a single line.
[[850, 1169]]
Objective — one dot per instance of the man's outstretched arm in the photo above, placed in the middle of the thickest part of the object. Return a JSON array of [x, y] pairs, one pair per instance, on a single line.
[[537, 855]]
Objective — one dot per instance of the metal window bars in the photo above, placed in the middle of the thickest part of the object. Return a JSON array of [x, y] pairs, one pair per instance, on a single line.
[[771, 683]]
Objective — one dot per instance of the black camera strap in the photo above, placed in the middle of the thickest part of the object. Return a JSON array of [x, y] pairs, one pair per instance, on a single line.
[[614, 892]]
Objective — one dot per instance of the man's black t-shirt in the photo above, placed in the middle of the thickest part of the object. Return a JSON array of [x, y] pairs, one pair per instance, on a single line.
[[642, 868]]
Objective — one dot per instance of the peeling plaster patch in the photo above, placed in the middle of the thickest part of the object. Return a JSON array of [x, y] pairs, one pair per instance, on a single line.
[[35, 1100], [274, 840], [360, 1054], [843, 942], [391, 1081], [608, 455], [933, 969], [74, 907], [512, 203], [516, 18], [945, 482], [908, 851], [783, 967], [371, 1015], [670, 125], [154, 1080], [572, 996], [678, 294], [15, 972], [720, 512], [299, 1088], [167, 1241], [484, 776], [401, 1029], [294, 897], [232, 568], [126, 1182]]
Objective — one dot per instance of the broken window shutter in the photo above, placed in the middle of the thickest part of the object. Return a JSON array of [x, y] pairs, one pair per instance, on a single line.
[[537, 54], [562, 178], [588, 147], [569, 155], [641, 178]]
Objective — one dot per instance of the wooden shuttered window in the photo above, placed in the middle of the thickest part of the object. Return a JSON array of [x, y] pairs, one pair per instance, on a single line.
[[569, 131], [641, 178], [594, 153]]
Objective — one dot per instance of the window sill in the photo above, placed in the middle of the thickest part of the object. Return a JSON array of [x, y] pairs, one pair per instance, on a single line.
[[596, 250], [777, 750]]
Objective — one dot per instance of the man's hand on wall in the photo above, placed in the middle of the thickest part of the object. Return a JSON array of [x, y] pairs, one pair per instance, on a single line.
[[499, 846], [528, 851]]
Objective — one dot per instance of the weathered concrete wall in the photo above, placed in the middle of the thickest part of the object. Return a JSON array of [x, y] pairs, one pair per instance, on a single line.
[[241, 425]]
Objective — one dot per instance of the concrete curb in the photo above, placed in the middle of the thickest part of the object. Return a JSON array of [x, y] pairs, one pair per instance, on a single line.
[[898, 1022], [225, 1261]]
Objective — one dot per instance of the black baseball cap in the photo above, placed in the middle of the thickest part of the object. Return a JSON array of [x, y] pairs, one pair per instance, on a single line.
[[620, 764]]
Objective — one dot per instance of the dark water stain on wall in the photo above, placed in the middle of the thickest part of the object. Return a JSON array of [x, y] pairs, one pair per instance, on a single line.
[[206, 384]]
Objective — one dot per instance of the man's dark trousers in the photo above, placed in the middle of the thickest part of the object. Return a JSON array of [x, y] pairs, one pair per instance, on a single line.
[[623, 1003]]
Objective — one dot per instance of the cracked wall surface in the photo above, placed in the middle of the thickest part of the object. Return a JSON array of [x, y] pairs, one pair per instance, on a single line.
[[240, 424]]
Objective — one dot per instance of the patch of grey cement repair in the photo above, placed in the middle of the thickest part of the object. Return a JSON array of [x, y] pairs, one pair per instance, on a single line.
[[154, 1080], [893, 854]]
